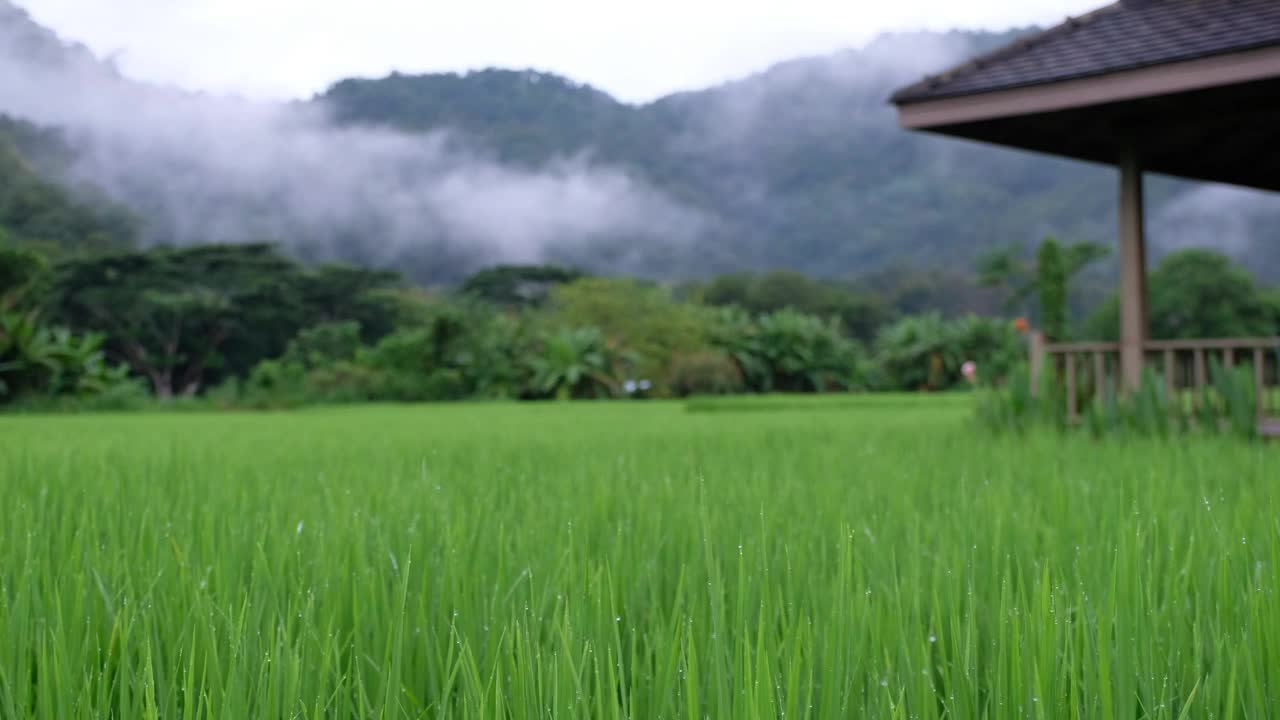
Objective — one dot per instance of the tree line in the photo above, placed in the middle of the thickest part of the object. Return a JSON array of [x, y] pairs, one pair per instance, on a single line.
[[243, 325]]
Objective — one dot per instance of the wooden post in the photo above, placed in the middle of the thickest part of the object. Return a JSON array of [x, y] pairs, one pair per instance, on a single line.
[[1260, 382], [1100, 376], [1036, 340], [1202, 377], [1133, 271]]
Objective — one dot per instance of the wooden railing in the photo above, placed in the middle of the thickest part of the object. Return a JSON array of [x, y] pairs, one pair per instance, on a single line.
[[1184, 366]]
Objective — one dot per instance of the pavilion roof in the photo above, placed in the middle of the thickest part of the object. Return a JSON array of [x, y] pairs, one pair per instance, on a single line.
[[1126, 35]]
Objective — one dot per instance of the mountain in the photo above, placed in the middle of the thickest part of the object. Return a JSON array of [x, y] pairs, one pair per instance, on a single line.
[[801, 166]]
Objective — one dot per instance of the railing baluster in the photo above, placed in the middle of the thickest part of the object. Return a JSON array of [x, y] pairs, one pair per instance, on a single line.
[[1260, 382], [1037, 360], [1100, 375], [1201, 379], [1186, 370], [1071, 387]]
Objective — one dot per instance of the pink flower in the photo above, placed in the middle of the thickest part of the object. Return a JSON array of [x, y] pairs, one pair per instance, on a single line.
[[969, 370]]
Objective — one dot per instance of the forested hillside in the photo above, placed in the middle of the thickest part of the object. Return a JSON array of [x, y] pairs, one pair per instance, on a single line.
[[800, 167], [36, 212]]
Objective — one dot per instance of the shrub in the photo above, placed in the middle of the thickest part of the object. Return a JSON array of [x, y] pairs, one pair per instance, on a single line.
[[436, 386], [273, 383], [125, 395], [446, 385], [404, 352], [992, 343], [325, 344], [342, 382]]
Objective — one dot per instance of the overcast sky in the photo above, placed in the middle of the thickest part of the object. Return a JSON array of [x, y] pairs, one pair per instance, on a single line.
[[637, 50]]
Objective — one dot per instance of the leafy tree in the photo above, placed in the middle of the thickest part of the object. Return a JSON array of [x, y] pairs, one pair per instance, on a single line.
[[490, 355], [319, 365], [1051, 283], [907, 290], [860, 314], [325, 344], [1048, 279], [306, 298], [1271, 303], [641, 320], [186, 318], [1003, 268], [455, 349], [20, 271], [518, 286], [334, 293], [410, 365], [1194, 294], [169, 314]]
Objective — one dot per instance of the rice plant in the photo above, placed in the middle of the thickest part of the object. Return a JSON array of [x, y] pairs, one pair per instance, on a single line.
[[631, 561]]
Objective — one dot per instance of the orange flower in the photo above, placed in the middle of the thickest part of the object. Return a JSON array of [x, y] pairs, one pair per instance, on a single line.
[[1022, 326]]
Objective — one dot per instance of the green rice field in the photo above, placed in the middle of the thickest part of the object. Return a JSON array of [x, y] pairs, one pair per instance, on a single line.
[[768, 558]]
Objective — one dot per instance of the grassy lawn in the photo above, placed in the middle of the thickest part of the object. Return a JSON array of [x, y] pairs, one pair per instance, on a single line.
[[838, 558]]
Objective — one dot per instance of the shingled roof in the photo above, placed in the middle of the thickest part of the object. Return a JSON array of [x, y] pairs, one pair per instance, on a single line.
[[1127, 35]]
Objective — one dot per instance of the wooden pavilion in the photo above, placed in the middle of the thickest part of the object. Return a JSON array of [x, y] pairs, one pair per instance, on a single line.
[[1189, 88]]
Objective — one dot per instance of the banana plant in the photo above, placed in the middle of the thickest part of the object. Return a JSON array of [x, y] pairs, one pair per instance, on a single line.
[[575, 362], [37, 359], [920, 352], [733, 331]]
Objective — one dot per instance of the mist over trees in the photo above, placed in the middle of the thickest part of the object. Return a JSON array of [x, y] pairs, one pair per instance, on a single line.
[[800, 167]]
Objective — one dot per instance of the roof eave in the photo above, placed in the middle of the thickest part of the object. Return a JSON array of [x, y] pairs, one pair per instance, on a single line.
[[1153, 80], [923, 89]]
